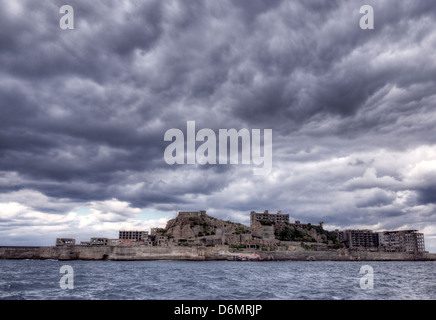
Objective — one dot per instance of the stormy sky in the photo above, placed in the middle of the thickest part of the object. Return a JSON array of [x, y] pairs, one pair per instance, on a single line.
[[83, 113]]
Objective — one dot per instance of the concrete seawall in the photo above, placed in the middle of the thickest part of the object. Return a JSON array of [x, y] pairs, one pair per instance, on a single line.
[[195, 253], [345, 255], [101, 253]]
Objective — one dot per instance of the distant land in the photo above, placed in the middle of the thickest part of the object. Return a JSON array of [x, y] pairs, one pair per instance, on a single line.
[[198, 236]]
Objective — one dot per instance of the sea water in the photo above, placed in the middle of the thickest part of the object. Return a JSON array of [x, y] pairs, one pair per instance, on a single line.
[[229, 280]]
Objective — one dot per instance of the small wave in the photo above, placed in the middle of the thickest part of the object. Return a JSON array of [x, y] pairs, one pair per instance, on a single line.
[[168, 280]]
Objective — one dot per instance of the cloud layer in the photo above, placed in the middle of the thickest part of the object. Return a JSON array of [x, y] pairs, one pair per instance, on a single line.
[[83, 112]]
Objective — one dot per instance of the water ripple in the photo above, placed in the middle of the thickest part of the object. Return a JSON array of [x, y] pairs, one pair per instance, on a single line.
[[279, 280]]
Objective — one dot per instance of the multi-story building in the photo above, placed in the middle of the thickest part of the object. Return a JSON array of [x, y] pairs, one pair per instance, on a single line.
[[402, 241], [273, 217], [389, 241], [340, 235], [133, 235], [357, 238]]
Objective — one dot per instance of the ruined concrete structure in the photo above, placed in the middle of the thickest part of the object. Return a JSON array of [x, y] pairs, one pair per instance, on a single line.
[[65, 242], [388, 241], [359, 238], [133, 235], [266, 216], [402, 241], [262, 231], [97, 242]]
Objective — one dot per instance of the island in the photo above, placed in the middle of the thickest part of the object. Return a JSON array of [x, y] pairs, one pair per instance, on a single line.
[[270, 237]]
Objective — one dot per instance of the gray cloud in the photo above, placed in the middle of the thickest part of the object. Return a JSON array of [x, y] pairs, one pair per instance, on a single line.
[[83, 112]]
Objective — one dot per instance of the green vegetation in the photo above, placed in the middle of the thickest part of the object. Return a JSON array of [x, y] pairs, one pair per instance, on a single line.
[[200, 221], [289, 233], [196, 221], [266, 222], [311, 233], [326, 235]]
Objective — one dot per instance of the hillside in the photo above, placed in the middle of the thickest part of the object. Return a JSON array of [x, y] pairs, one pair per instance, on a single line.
[[193, 224], [309, 233], [191, 228]]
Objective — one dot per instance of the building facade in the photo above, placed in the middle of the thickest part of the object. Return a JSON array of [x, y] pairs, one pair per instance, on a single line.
[[389, 241], [402, 241], [272, 217], [358, 238], [133, 235]]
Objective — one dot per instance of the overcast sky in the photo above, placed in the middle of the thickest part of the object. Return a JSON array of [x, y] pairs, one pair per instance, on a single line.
[[83, 113]]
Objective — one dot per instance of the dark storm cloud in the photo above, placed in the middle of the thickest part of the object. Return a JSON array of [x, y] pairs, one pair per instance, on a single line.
[[427, 195], [377, 198], [38, 47], [83, 112]]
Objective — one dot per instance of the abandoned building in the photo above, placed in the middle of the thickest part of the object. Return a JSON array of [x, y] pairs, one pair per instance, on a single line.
[[65, 242], [388, 241], [133, 235], [359, 238], [266, 216], [402, 241]]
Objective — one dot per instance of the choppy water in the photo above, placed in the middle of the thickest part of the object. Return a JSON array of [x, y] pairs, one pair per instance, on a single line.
[[195, 280]]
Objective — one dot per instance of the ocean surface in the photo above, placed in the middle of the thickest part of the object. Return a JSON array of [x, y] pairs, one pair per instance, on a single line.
[[229, 280]]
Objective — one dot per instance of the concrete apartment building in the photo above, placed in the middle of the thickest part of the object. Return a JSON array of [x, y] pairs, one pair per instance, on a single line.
[[402, 241], [273, 217], [388, 241], [356, 238], [133, 235]]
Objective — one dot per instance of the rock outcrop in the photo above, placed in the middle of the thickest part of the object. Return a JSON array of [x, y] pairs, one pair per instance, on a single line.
[[198, 224]]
